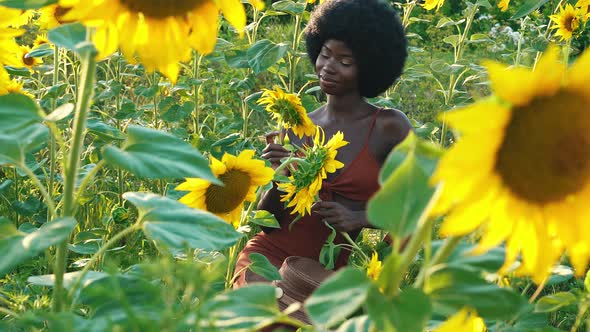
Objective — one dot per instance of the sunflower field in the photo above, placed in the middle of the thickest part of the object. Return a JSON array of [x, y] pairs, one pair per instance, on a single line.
[[130, 171]]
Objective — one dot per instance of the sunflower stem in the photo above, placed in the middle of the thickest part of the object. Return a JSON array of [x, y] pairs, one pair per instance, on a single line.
[[87, 73], [441, 256], [52, 141], [416, 242], [354, 245]]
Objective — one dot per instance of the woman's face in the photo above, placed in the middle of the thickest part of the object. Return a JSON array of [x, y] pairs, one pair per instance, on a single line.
[[337, 68]]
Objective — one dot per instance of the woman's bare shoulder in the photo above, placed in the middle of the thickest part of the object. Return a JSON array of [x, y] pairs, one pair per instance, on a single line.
[[393, 125]]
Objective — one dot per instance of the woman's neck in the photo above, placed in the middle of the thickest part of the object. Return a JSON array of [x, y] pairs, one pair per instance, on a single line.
[[346, 107]]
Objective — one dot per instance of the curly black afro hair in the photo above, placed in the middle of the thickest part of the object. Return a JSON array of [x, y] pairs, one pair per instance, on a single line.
[[371, 29]]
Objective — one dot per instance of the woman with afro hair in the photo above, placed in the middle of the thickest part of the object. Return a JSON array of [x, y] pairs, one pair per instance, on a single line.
[[359, 49]]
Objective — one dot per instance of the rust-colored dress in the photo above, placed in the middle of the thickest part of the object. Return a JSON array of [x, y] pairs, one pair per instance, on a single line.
[[358, 181]]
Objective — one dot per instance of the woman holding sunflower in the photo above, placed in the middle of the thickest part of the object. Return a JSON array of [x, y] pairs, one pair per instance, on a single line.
[[359, 49]]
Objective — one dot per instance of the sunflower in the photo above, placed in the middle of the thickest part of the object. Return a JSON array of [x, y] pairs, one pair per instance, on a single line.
[[14, 86], [521, 170], [287, 110], [8, 51], [465, 320], [306, 181], [567, 21], [52, 16], [432, 4], [374, 268], [258, 4], [503, 5], [26, 60], [159, 33], [241, 176], [584, 6], [41, 39]]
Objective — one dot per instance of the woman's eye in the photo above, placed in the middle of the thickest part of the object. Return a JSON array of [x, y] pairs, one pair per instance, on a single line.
[[323, 56], [346, 64]]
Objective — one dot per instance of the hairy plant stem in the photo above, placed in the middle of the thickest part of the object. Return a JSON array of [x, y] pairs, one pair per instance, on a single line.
[[581, 313], [52, 141], [412, 249], [441, 256], [87, 72]]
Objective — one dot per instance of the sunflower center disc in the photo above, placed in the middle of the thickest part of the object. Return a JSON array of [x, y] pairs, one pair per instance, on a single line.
[[571, 23], [161, 8], [226, 199], [29, 61], [545, 154]]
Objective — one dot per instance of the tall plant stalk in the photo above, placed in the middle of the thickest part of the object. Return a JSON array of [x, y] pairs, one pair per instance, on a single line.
[[85, 91]]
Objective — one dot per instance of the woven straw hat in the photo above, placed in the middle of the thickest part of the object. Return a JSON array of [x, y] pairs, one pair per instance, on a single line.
[[301, 276]]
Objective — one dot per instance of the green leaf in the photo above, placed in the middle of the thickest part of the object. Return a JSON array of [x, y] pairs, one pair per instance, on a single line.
[[264, 53], [338, 297], [463, 257], [70, 36], [447, 22], [151, 153], [452, 288], [243, 309], [27, 4], [289, 7], [19, 248], [560, 274], [408, 312], [453, 40], [18, 111], [5, 185], [528, 7], [405, 193], [236, 58], [16, 145], [177, 225], [356, 324], [262, 266], [265, 219], [40, 51], [69, 279], [60, 113], [479, 38], [556, 301], [104, 131]]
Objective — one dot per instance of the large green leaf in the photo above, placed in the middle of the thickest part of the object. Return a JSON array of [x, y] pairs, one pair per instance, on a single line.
[[262, 266], [15, 145], [338, 297], [405, 191], [289, 7], [71, 36], [155, 154], [356, 324], [243, 309], [177, 225], [462, 256], [264, 54], [19, 248], [556, 301], [528, 8], [26, 4], [452, 288], [18, 111], [408, 312]]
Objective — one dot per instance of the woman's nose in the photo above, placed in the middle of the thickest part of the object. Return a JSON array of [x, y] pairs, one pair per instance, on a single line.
[[328, 66]]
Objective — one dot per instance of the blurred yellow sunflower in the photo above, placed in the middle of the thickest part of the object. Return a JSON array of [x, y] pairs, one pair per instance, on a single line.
[[52, 16], [521, 170], [158, 33], [584, 6], [41, 39], [374, 268], [306, 181], [313, 1], [465, 320], [287, 110], [8, 50], [567, 21], [15, 86], [503, 5], [258, 4], [433, 4], [241, 176], [26, 60]]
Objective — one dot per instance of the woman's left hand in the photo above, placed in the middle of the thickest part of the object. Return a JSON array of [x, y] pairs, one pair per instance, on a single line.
[[339, 216]]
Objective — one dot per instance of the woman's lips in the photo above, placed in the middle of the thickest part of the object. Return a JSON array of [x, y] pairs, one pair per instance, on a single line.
[[326, 81]]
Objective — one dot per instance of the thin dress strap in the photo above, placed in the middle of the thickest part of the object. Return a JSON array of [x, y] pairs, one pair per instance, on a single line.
[[371, 127]]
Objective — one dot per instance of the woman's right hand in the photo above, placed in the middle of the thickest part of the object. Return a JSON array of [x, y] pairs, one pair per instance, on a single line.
[[274, 152]]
